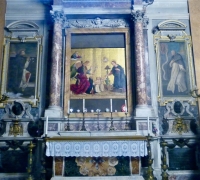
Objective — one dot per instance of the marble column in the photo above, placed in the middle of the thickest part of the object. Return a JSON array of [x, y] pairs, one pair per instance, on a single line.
[[54, 109], [142, 109]]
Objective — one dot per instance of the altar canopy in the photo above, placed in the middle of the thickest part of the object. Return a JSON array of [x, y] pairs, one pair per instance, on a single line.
[[96, 148]]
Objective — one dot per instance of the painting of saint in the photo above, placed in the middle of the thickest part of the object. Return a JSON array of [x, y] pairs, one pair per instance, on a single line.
[[119, 76], [174, 71], [98, 73], [83, 84], [177, 73], [22, 70]]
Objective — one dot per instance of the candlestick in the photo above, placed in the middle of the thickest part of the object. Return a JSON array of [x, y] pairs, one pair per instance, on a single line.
[[98, 114], [148, 124], [83, 123], [68, 111], [126, 124], [83, 105], [110, 105], [47, 119], [112, 128], [126, 109], [68, 126]]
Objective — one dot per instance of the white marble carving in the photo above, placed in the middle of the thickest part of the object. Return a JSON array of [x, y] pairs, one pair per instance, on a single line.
[[96, 23]]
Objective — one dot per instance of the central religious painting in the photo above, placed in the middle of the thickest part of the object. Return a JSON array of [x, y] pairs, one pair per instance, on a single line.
[[97, 71]]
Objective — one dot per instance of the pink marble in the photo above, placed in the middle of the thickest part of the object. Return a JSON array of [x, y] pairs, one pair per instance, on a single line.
[[55, 86], [140, 64]]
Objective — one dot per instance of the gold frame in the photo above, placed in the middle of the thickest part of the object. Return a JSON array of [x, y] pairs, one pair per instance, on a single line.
[[182, 37], [4, 74], [126, 32]]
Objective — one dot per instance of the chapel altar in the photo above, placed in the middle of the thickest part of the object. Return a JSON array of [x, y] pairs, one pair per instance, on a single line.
[[98, 89]]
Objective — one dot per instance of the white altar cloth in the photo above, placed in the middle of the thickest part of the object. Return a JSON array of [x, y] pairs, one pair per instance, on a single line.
[[96, 148]]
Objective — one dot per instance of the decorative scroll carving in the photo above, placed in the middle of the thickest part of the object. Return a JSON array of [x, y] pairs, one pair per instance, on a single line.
[[138, 16], [184, 108], [148, 2], [15, 145], [145, 22], [96, 23], [25, 110], [58, 16], [171, 37]]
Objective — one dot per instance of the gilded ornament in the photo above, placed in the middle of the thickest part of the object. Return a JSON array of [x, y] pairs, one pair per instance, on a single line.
[[179, 126], [16, 128]]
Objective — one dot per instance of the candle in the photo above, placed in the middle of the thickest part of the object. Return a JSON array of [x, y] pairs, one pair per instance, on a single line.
[[126, 109], [148, 124], [83, 105], [47, 119], [110, 105], [68, 111]]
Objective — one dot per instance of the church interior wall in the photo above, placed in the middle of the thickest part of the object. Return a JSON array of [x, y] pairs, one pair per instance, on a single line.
[[37, 11]]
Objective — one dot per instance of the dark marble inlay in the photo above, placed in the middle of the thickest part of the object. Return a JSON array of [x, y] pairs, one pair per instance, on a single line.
[[182, 159]]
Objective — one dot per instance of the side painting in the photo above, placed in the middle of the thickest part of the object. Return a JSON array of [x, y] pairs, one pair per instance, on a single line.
[[174, 69], [21, 65], [98, 73]]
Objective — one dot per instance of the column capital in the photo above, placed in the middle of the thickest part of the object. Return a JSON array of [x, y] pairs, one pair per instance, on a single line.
[[138, 15], [58, 16], [145, 22]]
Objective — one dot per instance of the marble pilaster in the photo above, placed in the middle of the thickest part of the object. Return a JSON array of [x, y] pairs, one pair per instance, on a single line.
[[54, 109], [142, 109], [195, 26], [2, 24]]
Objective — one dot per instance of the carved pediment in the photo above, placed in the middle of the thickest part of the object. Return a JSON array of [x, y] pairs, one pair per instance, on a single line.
[[171, 25], [22, 26]]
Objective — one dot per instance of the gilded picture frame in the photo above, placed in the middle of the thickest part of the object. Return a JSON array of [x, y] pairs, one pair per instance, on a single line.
[[99, 58], [21, 69], [175, 67]]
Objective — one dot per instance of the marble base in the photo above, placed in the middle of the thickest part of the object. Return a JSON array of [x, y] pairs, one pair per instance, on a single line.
[[13, 176], [144, 111], [100, 178], [54, 111]]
